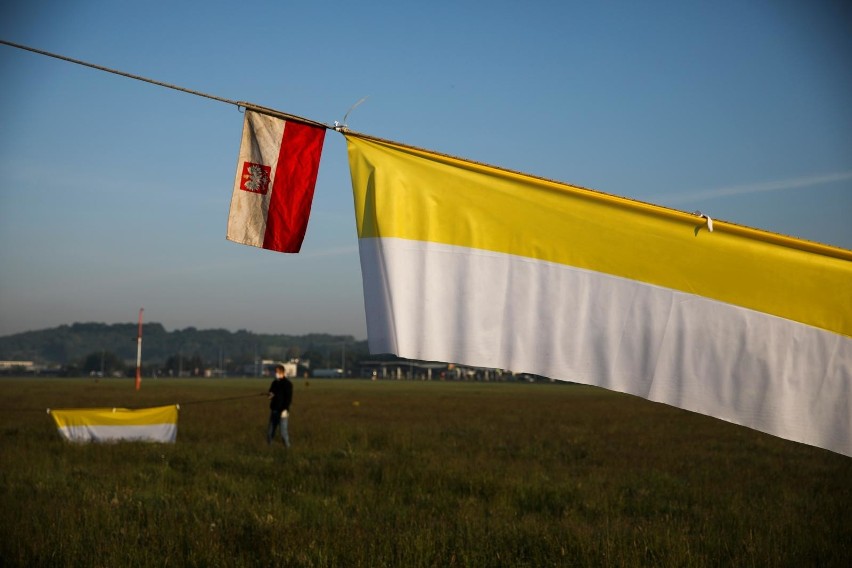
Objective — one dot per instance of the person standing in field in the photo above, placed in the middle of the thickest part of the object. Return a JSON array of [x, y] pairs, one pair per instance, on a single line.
[[280, 397]]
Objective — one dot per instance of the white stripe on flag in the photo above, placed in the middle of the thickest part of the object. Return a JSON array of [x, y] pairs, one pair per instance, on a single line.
[[165, 433], [260, 145], [448, 303]]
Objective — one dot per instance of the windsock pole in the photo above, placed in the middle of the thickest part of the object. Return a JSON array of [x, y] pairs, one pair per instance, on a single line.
[[139, 352]]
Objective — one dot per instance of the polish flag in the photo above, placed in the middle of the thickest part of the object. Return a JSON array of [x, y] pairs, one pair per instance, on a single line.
[[274, 186]]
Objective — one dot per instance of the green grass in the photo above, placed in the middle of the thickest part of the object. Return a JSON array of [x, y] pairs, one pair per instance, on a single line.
[[412, 474]]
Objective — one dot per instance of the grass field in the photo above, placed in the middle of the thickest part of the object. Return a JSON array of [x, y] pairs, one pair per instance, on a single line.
[[412, 474]]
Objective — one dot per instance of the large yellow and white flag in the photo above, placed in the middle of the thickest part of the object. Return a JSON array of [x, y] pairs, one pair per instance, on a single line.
[[472, 264], [157, 424]]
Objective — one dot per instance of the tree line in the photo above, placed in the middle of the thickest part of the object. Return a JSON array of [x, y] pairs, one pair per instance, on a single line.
[[110, 349]]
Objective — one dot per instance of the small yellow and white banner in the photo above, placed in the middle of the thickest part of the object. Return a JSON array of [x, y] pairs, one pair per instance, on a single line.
[[157, 424]]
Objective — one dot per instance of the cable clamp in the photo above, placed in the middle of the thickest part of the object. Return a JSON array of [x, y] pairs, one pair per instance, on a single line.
[[709, 220]]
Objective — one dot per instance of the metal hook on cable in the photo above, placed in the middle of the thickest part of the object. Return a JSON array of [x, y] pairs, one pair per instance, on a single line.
[[709, 220]]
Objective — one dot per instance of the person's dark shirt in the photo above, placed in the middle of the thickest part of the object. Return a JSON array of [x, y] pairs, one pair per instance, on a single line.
[[282, 394]]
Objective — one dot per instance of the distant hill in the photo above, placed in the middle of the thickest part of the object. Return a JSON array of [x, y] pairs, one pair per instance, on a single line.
[[71, 344]]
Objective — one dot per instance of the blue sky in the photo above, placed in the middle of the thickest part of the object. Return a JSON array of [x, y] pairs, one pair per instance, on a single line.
[[114, 193]]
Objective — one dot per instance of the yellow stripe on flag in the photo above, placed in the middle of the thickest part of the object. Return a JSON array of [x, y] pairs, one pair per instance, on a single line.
[[413, 194]]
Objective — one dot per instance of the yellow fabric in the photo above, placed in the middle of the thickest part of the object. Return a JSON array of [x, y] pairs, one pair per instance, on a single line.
[[65, 418], [415, 194]]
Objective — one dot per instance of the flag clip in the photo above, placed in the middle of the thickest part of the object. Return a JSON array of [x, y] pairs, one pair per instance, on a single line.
[[709, 220]]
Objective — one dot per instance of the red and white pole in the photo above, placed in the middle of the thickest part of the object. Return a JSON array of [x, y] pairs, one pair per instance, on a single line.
[[139, 352]]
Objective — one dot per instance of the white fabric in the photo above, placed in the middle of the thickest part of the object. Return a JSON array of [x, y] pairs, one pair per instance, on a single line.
[[261, 143], [438, 302], [166, 433]]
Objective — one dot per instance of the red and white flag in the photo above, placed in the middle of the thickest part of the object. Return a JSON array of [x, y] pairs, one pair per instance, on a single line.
[[274, 186]]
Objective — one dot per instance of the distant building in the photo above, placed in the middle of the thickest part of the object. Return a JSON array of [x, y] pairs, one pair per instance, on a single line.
[[291, 367], [266, 368], [429, 370], [327, 373], [17, 366]]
